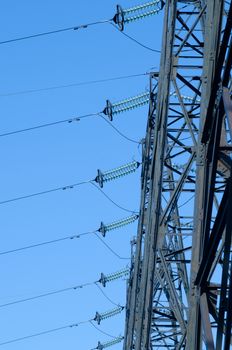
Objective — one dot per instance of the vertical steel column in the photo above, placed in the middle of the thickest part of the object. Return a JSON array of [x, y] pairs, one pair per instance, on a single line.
[[177, 292], [210, 172], [143, 324], [212, 40], [134, 282]]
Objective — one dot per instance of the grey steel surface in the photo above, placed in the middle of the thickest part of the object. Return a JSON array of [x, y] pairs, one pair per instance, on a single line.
[[180, 287]]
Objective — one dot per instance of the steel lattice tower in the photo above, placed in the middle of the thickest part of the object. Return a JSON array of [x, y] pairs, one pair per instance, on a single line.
[[180, 287]]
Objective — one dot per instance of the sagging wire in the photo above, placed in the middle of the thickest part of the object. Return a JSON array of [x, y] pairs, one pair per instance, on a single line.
[[32, 36], [69, 121], [101, 178], [112, 226], [101, 331], [110, 249], [62, 188], [53, 330], [122, 17], [44, 295], [103, 280], [110, 110], [57, 122], [106, 296], [64, 86], [36, 245], [118, 131], [98, 318], [125, 16], [135, 40]]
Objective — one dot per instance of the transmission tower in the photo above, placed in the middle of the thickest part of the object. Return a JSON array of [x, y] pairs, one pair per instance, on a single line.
[[180, 287]]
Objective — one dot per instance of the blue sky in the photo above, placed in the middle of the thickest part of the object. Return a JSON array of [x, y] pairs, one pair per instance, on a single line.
[[62, 155]]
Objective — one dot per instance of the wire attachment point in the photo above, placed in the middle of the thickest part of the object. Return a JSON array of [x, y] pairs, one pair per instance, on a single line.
[[117, 224], [124, 16], [113, 276], [108, 110], [109, 343], [116, 173], [100, 317], [126, 105], [119, 18]]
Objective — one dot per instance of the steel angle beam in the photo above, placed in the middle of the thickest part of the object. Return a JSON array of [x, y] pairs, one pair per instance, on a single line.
[[209, 246], [164, 305]]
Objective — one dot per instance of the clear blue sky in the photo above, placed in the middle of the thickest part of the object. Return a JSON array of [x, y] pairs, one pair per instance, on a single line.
[[65, 154]]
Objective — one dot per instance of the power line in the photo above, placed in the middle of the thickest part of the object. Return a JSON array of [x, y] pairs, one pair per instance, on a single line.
[[111, 200], [67, 187], [104, 279], [57, 291], [36, 35], [103, 229], [44, 332], [105, 295], [110, 249], [118, 131], [84, 83], [43, 295], [101, 331], [69, 120], [98, 318], [110, 110], [36, 245], [64, 121], [84, 26], [16, 250], [135, 40]]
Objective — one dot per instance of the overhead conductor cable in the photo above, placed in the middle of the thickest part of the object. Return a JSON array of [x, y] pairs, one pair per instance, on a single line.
[[104, 280], [122, 17], [98, 318], [110, 110], [101, 178], [103, 229]]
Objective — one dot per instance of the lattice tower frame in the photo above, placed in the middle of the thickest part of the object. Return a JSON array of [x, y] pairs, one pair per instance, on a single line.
[[180, 287]]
